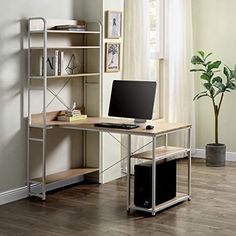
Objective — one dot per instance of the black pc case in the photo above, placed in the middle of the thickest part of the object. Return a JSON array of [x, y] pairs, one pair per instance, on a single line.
[[165, 183]]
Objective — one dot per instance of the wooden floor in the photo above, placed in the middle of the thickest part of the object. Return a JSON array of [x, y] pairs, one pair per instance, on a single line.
[[91, 209]]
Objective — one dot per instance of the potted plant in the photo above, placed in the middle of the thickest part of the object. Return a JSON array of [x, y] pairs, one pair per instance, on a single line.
[[215, 85]]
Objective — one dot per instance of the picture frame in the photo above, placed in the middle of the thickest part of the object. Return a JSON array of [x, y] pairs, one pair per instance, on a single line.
[[112, 63], [114, 24]]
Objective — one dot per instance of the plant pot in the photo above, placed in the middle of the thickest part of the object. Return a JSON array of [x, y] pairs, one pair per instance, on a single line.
[[215, 154]]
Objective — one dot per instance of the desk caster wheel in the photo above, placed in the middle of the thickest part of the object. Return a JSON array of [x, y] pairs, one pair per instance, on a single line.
[[128, 210], [189, 199], [153, 213]]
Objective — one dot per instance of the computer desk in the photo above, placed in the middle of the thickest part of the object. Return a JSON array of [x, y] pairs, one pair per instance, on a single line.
[[165, 153]]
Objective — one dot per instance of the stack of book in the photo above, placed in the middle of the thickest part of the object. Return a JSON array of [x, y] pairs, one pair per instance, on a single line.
[[79, 27], [55, 65], [71, 115]]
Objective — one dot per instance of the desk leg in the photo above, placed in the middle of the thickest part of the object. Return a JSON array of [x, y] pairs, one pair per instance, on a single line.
[[153, 176], [189, 164], [128, 173], [44, 165]]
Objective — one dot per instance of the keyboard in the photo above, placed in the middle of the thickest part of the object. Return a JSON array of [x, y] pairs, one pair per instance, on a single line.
[[116, 125]]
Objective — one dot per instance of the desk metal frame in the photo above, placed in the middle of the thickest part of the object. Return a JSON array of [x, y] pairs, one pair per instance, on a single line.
[[156, 208], [161, 129]]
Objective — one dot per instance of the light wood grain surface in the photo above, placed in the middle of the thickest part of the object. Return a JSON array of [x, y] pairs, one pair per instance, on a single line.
[[160, 127]]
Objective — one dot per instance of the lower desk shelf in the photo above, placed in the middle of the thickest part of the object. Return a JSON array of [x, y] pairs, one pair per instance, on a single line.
[[66, 175], [180, 197], [161, 153]]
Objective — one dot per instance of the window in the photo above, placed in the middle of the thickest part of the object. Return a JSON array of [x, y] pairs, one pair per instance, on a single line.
[[156, 37]]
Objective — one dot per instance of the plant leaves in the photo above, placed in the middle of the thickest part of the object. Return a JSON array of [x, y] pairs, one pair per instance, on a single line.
[[216, 79], [207, 55], [196, 60], [202, 54], [196, 70], [226, 72], [213, 65], [197, 96], [205, 77], [220, 86], [204, 92], [230, 85], [208, 86], [204, 95]]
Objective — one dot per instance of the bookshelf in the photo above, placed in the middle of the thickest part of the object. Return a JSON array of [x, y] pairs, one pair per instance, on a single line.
[[86, 47]]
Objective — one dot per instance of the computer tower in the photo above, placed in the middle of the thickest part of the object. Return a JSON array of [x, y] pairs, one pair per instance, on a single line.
[[165, 183]]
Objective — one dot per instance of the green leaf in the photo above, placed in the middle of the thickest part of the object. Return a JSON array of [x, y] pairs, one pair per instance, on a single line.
[[196, 60], [213, 65], [204, 92], [216, 79], [208, 86], [205, 77], [226, 72], [207, 63], [207, 55], [202, 54], [196, 70], [204, 95], [230, 85], [220, 86]]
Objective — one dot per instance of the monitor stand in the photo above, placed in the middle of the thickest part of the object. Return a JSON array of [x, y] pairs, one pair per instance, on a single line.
[[138, 121]]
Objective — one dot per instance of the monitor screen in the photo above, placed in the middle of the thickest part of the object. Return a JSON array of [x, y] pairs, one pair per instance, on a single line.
[[132, 99]]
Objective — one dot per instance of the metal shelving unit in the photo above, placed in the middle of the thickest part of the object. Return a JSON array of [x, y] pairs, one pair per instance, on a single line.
[[39, 26]]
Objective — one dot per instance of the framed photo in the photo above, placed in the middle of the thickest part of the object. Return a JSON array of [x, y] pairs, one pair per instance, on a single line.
[[112, 57], [114, 24]]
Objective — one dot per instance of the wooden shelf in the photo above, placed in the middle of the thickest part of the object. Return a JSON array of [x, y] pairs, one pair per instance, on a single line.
[[65, 76], [66, 47], [63, 32], [68, 174], [180, 197], [161, 153]]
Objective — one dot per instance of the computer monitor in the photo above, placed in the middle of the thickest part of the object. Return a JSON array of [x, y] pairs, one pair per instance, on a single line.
[[132, 99]]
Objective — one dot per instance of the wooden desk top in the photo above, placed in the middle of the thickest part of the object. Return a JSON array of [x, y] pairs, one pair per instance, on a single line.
[[160, 127]]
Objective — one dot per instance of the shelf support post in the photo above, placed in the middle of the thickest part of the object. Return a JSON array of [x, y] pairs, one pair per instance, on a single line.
[[153, 175], [189, 163], [128, 172]]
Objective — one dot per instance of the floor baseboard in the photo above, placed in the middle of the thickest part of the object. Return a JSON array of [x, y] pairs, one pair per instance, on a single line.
[[21, 193], [230, 156]]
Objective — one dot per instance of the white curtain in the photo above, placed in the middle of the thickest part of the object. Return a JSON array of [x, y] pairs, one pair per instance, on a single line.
[[136, 48], [136, 40], [136, 54], [178, 81]]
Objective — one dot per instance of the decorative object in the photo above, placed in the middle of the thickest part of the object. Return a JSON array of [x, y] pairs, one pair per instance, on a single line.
[[73, 66], [215, 86], [112, 57], [113, 23]]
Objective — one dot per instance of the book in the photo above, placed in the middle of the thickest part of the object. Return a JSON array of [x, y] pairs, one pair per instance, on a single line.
[[73, 118], [52, 63], [80, 27], [60, 63]]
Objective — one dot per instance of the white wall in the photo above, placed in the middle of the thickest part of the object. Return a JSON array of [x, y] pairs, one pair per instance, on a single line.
[[13, 71], [111, 149], [214, 31]]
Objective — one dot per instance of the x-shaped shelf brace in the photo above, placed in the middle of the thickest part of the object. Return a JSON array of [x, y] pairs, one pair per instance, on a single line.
[[56, 95]]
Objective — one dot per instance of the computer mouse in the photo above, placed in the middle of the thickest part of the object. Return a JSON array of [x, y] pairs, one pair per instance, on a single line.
[[149, 127]]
